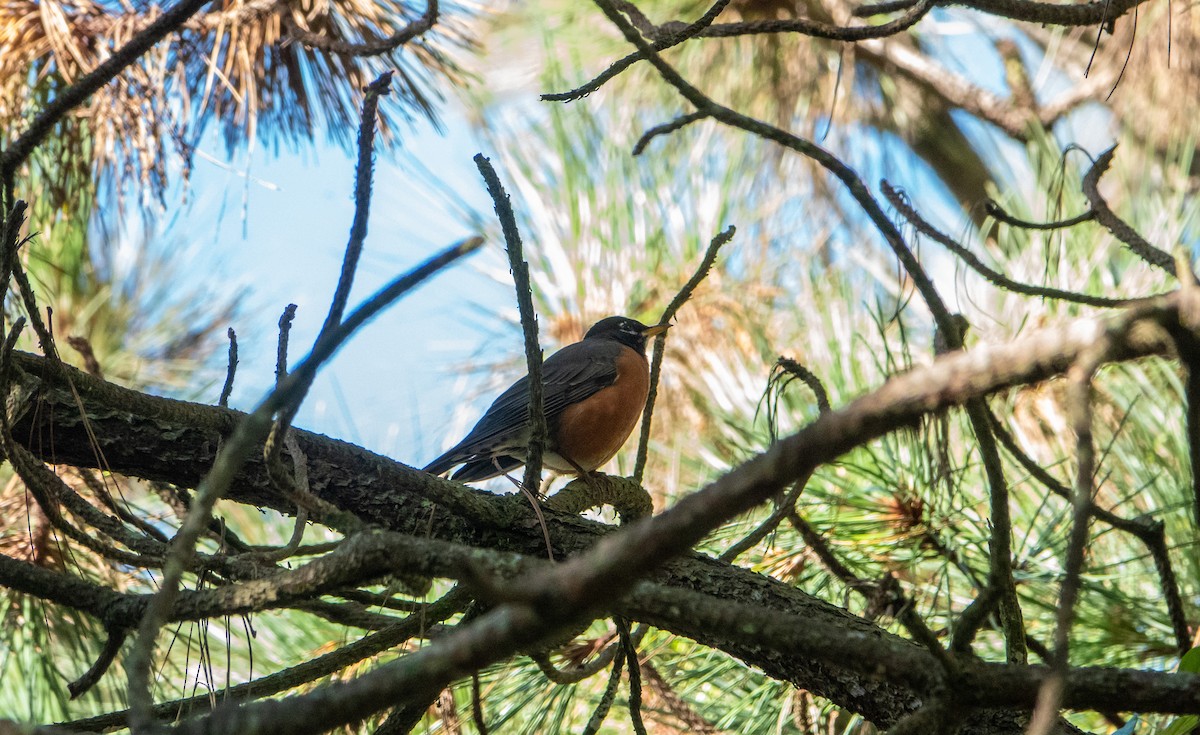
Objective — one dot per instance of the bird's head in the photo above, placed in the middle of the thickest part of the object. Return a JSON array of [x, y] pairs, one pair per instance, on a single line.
[[629, 332]]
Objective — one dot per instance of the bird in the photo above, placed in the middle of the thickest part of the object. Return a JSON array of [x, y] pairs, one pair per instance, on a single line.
[[593, 394]]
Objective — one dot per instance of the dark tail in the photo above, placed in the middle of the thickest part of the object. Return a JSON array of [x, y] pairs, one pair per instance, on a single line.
[[474, 467], [443, 463], [486, 468]]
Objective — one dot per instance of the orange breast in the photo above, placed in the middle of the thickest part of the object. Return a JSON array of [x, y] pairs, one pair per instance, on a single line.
[[590, 432]]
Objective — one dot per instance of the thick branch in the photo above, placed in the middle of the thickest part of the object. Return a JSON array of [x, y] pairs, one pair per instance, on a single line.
[[138, 443]]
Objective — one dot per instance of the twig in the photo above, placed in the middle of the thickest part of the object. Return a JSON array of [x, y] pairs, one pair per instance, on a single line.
[[897, 200], [1059, 14], [44, 335], [881, 596], [816, 542], [349, 615], [783, 508], [635, 675], [372, 48], [666, 128], [666, 41], [112, 646], [906, 613], [375, 599], [996, 212], [281, 345], [294, 485], [638, 18], [610, 693], [230, 370], [477, 705], [533, 351], [1157, 545], [358, 233], [100, 489], [1117, 226], [1188, 345], [1000, 541], [885, 594], [703, 27], [681, 298], [280, 430], [1079, 411], [972, 619], [575, 674], [91, 365], [816, 29], [882, 8], [797, 371], [8, 243], [48, 486], [381, 87], [783, 373]]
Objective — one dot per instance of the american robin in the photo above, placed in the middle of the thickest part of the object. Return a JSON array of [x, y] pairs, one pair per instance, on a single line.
[[593, 390]]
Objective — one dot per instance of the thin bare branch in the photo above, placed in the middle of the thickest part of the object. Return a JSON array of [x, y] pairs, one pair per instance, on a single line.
[[1079, 409], [281, 343], [665, 129], [1117, 226], [610, 692], [375, 48], [575, 674], [108, 653], [996, 212], [363, 172], [784, 508], [681, 298], [529, 326], [897, 199], [1093, 13], [230, 369], [664, 41], [635, 675]]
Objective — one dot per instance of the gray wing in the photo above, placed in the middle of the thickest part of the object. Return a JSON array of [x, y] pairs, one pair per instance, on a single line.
[[568, 376]]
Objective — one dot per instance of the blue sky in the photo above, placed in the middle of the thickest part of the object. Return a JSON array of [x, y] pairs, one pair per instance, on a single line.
[[283, 222]]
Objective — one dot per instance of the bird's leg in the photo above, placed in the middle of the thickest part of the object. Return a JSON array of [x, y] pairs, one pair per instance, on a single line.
[[591, 478]]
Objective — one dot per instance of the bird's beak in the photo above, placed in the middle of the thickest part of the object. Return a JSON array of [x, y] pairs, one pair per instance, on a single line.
[[656, 329]]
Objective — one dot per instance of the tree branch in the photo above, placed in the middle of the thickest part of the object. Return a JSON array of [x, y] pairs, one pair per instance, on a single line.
[[590, 582], [373, 48]]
